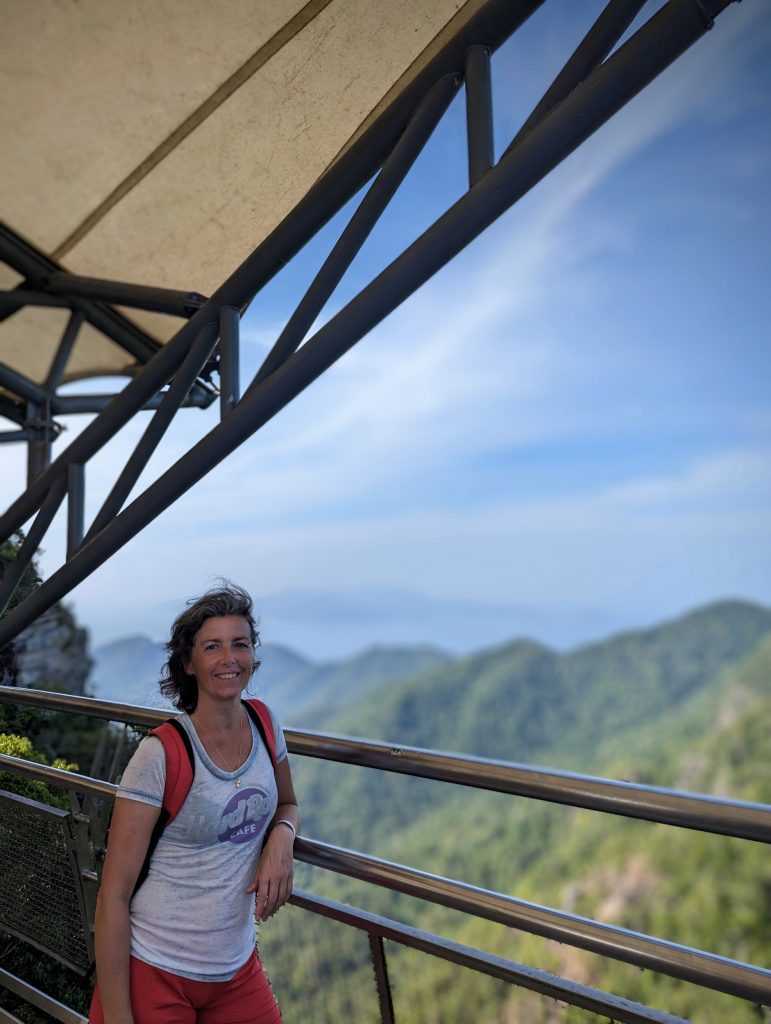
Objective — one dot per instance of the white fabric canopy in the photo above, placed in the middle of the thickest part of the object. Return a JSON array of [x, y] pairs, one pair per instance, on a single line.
[[159, 141]]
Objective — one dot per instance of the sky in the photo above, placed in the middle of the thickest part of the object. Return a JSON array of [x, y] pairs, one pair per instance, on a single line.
[[563, 434]]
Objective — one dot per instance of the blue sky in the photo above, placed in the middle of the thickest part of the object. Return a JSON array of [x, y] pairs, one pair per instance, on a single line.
[[564, 433]]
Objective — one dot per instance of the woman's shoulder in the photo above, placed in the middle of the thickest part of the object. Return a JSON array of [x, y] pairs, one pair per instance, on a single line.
[[148, 757]]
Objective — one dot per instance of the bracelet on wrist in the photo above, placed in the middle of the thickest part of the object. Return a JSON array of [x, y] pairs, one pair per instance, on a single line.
[[286, 821]]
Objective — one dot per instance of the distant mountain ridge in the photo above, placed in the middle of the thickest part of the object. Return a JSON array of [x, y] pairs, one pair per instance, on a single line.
[[524, 703], [425, 685], [686, 704], [519, 698], [127, 670]]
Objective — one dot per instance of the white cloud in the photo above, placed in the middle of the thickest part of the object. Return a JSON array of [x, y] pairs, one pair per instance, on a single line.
[[657, 547]]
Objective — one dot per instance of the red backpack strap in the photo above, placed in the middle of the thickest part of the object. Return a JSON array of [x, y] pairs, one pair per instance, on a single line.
[[262, 718], [180, 767]]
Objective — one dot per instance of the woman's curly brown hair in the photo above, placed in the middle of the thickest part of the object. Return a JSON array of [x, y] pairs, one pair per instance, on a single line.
[[226, 599]]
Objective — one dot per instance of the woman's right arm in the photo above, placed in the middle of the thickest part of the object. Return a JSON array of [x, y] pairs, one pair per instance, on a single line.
[[130, 830]]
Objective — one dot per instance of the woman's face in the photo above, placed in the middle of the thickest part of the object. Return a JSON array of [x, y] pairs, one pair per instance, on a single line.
[[222, 659]]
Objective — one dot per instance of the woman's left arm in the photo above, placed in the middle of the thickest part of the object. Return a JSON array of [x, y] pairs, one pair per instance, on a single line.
[[273, 878]]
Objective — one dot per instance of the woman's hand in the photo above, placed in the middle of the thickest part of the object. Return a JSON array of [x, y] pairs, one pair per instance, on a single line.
[[273, 877]]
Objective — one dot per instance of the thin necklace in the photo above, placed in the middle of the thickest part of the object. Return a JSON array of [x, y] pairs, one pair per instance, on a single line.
[[219, 753]]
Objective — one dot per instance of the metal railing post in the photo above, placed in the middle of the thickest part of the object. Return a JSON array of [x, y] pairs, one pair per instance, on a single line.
[[380, 967]]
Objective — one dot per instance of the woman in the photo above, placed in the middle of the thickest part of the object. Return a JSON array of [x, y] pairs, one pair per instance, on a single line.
[[181, 949]]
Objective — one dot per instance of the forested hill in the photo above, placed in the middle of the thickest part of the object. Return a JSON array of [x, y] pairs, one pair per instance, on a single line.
[[686, 705], [516, 701], [526, 704]]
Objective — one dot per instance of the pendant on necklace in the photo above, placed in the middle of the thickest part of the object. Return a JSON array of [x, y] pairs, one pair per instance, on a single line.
[[238, 782]]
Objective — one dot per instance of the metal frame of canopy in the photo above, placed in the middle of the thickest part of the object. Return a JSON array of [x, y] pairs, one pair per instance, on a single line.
[[591, 87]]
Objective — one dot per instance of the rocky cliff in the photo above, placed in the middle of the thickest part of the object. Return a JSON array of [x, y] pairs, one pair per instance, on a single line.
[[51, 654]]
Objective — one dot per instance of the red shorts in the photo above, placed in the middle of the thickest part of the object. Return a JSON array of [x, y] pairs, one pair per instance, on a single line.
[[159, 997]]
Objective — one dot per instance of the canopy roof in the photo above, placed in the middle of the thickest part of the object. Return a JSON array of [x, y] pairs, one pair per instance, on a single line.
[[159, 143]]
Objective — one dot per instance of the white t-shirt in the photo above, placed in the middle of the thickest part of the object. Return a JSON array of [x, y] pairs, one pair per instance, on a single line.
[[191, 915]]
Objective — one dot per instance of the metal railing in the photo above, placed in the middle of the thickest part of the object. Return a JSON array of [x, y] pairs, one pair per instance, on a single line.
[[631, 800], [726, 817], [39, 999]]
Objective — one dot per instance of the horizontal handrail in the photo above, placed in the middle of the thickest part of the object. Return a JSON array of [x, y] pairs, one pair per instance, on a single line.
[[113, 711], [703, 813], [35, 997], [696, 811], [614, 1007], [58, 777], [706, 969]]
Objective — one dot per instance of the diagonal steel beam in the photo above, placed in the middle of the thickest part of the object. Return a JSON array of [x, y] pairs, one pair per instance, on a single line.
[[36, 268], [382, 190], [492, 23], [591, 52], [122, 293], [12, 410], [156, 428], [678, 25], [63, 352], [15, 569], [18, 298], [22, 386], [123, 406]]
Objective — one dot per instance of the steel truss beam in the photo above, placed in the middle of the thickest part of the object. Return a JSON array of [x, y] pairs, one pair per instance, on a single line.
[[589, 90], [46, 284]]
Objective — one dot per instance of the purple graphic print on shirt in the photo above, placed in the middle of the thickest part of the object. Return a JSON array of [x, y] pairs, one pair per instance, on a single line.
[[244, 816]]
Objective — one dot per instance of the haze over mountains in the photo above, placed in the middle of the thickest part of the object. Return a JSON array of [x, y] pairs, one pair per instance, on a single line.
[[128, 671], [309, 693], [328, 625]]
